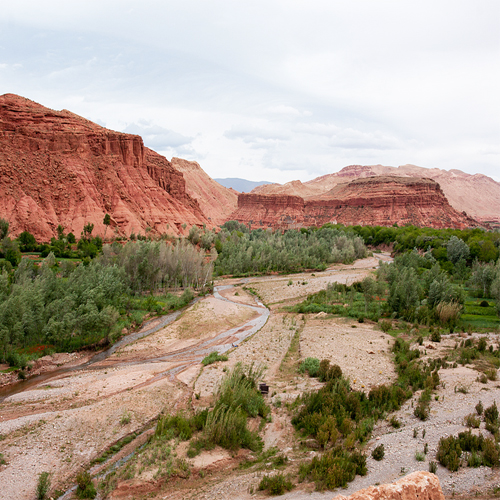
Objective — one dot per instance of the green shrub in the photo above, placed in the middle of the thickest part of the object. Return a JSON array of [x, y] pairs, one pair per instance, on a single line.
[[311, 365], [385, 325], [491, 414], [472, 420], [214, 357], [479, 408], [85, 487], [435, 336], [449, 453], [276, 484], [335, 468], [43, 486], [379, 452], [433, 467], [395, 422]]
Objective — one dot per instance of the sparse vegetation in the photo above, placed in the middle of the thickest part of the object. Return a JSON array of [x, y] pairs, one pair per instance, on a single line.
[[213, 357], [275, 484], [378, 452], [43, 486]]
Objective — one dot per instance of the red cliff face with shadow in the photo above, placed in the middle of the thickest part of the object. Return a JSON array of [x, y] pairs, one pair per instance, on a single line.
[[382, 201], [59, 168]]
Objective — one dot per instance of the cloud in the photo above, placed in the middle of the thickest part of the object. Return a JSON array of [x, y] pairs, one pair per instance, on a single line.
[[159, 138], [271, 89]]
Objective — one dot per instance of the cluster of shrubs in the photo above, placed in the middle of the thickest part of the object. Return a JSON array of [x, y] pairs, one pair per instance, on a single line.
[[334, 469], [322, 370], [479, 450], [225, 424]]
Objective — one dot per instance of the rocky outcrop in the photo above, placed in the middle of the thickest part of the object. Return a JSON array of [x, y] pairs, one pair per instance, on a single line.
[[59, 168], [478, 195], [415, 486], [216, 201], [371, 201]]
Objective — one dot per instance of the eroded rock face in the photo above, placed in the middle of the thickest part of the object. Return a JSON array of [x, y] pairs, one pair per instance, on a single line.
[[59, 168], [216, 202], [370, 201], [478, 195]]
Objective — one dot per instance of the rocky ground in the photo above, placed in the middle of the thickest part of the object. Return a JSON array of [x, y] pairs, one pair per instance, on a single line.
[[61, 424]]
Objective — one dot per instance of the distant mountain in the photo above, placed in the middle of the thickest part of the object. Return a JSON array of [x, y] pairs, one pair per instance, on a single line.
[[477, 194], [241, 185]]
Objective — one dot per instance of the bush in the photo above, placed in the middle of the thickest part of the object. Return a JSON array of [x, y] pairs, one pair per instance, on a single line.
[[335, 468], [449, 453], [433, 467], [385, 325], [276, 484], [419, 456], [214, 357], [85, 487], [379, 452], [43, 486], [395, 422], [479, 408], [472, 420], [491, 414], [311, 365], [435, 336]]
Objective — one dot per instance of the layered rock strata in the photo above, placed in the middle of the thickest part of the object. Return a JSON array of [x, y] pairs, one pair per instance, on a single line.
[[371, 201], [216, 201], [478, 194], [59, 168]]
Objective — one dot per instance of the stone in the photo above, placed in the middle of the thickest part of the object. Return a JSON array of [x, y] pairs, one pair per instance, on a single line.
[[419, 485]]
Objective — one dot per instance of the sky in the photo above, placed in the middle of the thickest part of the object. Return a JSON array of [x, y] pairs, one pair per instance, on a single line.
[[271, 90]]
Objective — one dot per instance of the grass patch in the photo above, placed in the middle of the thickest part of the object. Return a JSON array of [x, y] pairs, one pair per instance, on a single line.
[[213, 357]]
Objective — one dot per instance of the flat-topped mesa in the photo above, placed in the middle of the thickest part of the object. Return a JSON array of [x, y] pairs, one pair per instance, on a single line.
[[381, 200], [59, 168]]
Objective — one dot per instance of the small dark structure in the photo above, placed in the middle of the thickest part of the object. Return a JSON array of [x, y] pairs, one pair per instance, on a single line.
[[263, 388]]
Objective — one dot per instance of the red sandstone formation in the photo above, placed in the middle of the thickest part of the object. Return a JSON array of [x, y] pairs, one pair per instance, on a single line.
[[217, 202], [415, 486], [478, 195], [372, 201], [59, 168]]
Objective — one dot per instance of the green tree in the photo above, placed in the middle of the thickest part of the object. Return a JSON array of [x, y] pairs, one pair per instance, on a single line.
[[87, 230], [106, 222], [27, 242], [4, 228], [60, 232], [457, 249]]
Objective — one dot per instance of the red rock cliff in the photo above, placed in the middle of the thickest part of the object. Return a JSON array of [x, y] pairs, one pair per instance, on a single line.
[[370, 201], [59, 168]]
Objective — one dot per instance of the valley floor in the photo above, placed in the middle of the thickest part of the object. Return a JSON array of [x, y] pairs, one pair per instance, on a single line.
[[65, 422]]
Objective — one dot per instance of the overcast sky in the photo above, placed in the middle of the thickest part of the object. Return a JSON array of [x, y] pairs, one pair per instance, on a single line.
[[271, 90]]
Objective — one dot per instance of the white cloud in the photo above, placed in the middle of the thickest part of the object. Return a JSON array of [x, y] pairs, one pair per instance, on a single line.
[[271, 90]]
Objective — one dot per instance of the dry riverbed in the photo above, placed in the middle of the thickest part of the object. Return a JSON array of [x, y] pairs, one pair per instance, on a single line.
[[65, 422]]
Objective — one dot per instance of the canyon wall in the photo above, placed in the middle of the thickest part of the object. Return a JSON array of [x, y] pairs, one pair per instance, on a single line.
[[380, 201], [59, 168]]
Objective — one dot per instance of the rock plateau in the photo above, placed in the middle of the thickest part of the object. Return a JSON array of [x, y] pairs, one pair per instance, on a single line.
[[478, 195], [381, 200]]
